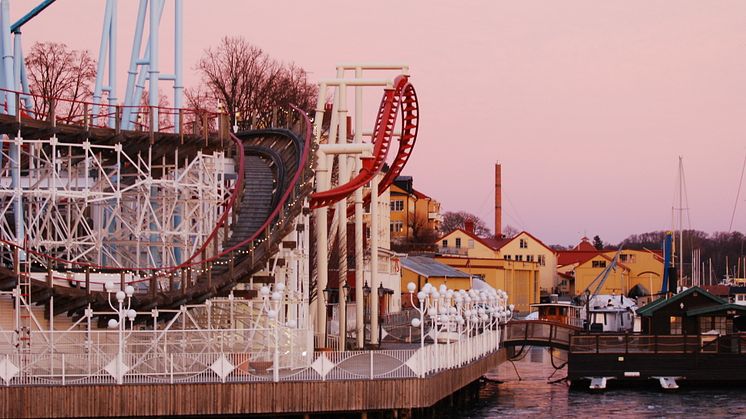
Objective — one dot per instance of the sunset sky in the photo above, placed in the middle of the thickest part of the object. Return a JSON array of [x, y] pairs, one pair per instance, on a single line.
[[586, 104]]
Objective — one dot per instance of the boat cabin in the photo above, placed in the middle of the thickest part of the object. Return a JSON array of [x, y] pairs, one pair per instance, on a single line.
[[564, 313], [610, 313]]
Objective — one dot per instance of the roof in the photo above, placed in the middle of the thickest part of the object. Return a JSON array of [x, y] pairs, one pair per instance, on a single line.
[[536, 239], [419, 195], [649, 309], [716, 309], [429, 267], [568, 257], [585, 246], [489, 242]]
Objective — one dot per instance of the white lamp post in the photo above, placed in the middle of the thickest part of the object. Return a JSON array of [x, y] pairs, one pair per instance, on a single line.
[[123, 313]]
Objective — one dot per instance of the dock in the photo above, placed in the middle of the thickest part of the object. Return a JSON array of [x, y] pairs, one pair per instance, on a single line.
[[294, 397]]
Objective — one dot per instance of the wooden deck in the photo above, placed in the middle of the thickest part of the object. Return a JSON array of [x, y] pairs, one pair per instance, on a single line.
[[243, 398]]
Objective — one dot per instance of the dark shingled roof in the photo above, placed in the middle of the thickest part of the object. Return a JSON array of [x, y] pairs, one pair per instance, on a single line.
[[649, 309], [429, 267]]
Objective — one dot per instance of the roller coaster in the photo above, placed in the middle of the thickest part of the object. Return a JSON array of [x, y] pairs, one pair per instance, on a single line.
[[170, 207]]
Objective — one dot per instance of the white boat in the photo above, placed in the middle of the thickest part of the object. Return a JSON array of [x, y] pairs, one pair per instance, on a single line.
[[610, 313]]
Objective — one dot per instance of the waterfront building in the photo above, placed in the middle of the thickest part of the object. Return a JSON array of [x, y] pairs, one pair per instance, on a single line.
[[481, 257], [691, 312], [525, 247], [579, 266], [522, 264], [423, 270], [414, 214]]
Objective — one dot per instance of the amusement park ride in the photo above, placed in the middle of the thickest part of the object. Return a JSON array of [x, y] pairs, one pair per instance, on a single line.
[[135, 232]]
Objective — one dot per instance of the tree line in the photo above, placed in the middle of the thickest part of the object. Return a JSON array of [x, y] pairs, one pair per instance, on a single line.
[[723, 249]]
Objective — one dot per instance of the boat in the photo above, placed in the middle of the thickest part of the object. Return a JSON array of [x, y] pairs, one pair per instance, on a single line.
[[564, 312], [610, 313]]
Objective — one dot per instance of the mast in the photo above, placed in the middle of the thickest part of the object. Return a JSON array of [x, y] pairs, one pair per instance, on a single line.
[[681, 220]]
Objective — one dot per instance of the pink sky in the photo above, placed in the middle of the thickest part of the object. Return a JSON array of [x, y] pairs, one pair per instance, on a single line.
[[586, 104]]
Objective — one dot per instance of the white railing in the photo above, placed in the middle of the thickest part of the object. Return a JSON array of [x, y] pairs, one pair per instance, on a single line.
[[184, 357]]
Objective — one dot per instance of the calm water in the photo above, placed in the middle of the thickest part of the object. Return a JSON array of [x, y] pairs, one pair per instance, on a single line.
[[533, 397]]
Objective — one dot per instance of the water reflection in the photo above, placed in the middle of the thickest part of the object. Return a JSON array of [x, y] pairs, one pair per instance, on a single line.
[[533, 396]]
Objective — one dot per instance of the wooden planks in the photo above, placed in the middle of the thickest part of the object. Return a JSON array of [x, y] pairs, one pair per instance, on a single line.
[[239, 398]]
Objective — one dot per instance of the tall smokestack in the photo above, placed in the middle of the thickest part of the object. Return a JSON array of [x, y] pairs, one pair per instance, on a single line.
[[498, 201]]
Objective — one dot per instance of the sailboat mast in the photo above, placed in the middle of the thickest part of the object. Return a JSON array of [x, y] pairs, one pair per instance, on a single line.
[[681, 220]]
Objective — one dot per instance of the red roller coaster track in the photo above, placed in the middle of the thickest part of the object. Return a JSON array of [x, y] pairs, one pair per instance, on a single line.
[[401, 94]]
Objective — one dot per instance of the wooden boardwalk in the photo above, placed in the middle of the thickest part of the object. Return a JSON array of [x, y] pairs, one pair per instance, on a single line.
[[240, 398]]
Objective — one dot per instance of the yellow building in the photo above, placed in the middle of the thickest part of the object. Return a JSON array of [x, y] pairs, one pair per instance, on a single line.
[[586, 272], [467, 252], [414, 215], [636, 268], [525, 247]]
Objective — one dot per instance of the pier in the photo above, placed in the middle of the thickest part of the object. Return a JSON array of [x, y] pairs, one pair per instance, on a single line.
[[174, 382]]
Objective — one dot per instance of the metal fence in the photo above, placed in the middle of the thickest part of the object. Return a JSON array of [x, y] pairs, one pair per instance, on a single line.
[[200, 356]]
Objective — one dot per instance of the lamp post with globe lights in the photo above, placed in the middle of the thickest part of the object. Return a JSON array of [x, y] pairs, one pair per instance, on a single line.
[[123, 313], [271, 301]]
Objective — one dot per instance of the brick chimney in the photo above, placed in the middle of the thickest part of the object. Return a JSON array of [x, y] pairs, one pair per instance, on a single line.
[[498, 201], [469, 226]]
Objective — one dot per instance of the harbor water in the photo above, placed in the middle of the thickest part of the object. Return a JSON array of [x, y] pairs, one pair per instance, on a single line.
[[533, 396]]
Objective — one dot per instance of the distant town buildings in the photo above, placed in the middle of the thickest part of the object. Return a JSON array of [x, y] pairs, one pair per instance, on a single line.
[[640, 270]]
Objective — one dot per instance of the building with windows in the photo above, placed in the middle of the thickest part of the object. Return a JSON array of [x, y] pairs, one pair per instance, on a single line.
[[481, 257], [691, 312], [525, 247], [579, 266], [414, 215]]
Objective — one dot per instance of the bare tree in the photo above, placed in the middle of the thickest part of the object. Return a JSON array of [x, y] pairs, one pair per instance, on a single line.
[[509, 231], [165, 115], [422, 237], [251, 85], [453, 220], [56, 71]]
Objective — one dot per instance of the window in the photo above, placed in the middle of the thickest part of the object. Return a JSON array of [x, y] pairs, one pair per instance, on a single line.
[[397, 226], [628, 258], [721, 324], [507, 257], [445, 243], [529, 258], [397, 205], [523, 244], [519, 257], [675, 323], [599, 264], [458, 242], [471, 243], [542, 260]]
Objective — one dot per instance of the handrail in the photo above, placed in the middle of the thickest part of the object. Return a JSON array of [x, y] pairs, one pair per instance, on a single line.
[[84, 116], [293, 182], [638, 343]]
